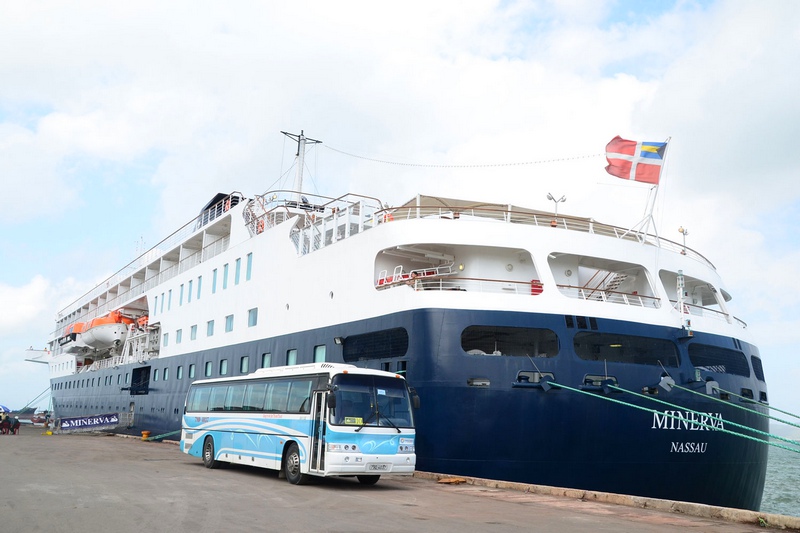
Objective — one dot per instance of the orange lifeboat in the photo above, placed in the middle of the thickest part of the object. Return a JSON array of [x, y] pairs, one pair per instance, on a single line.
[[106, 331], [71, 339]]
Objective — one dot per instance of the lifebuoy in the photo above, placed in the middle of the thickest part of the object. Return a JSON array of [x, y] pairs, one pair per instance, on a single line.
[[536, 287], [227, 204], [388, 217], [260, 226]]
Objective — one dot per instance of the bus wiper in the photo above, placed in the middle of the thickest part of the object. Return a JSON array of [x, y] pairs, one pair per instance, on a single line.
[[365, 422], [389, 420], [370, 418]]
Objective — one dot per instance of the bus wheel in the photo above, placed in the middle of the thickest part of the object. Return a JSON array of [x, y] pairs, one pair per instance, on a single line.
[[368, 480], [291, 466], [208, 454]]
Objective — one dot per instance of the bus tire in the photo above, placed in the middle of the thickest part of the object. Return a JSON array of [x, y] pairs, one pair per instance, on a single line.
[[291, 466], [368, 480], [208, 453]]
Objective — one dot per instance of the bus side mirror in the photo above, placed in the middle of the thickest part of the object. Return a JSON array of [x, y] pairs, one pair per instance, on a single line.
[[332, 401], [412, 392]]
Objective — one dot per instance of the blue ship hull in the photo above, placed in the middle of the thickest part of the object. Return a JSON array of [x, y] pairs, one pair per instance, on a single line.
[[478, 419]]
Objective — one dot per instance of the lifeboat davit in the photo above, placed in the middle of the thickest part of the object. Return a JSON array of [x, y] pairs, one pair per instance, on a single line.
[[72, 339], [106, 331]]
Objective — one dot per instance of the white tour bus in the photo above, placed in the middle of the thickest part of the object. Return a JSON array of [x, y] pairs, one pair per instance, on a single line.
[[320, 419]]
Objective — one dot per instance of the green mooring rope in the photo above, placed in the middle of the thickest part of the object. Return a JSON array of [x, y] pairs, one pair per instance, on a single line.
[[738, 406], [163, 435], [672, 416]]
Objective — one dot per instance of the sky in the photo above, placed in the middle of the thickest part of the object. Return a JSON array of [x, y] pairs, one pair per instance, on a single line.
[[119, 121]]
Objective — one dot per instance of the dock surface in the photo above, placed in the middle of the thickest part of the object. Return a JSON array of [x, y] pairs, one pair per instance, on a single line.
[[94, 482]]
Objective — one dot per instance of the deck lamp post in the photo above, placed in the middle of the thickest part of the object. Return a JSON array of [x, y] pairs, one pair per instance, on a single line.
[[554, 222]]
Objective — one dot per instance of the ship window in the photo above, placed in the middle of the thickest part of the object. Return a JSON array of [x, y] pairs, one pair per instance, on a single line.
[[189, 294], [319, 354], [223, 367], [127, 378], [291, 357], [237, 271], [169, 301], [758, 368], [376, 345], [214, 281], [191, 371], [500, 340], [155, 375], [155, 307], [244, 364], [720, 360], [209, 368], [249, 268], [209, 328], [199, 285], [179, 372], [229, 323], [180, 298], [178, 336], [266, 360], [166, 339], [612, 347], [252, 317], [193, 332], [225, 276], [166, 374]]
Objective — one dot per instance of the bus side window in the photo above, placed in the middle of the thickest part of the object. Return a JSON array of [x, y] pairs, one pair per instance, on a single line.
[[217, 400], [254, 397]]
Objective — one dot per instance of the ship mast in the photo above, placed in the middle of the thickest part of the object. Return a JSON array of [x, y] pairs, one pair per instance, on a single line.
[[301, 152]]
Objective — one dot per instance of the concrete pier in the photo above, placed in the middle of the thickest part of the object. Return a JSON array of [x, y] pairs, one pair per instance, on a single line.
[[91, 482]]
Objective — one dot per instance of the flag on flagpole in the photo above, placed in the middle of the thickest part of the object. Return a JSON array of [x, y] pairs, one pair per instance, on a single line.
[[637, 161]]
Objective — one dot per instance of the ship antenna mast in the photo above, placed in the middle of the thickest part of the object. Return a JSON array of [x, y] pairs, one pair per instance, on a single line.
[[301, 140]]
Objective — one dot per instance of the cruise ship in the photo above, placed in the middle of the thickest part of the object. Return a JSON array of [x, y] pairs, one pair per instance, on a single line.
[[544, 348]]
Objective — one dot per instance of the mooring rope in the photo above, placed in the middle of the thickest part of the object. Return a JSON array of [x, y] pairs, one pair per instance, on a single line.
[[554, 384], [737, 406], [771, 408], [163, 435]]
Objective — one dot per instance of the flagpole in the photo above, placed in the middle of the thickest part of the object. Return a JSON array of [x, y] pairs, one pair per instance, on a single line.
[[654, 190], [647, 220]]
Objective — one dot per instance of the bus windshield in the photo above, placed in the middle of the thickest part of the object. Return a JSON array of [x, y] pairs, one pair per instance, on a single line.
[[365, 400]]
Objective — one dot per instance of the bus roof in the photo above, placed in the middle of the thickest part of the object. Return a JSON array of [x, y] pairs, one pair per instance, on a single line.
[[297, 370]]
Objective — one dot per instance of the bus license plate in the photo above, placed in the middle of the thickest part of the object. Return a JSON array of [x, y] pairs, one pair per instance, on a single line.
[[378, 467]]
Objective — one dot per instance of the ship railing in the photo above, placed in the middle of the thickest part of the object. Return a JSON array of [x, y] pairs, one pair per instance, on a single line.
[[118, 300], [108, 362], [707, 312], [274, 207], [512, 215], [603, 295], [169, 243], [462, 284]]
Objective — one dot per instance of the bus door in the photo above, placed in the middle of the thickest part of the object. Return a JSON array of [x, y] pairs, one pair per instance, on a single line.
[[318, 433]]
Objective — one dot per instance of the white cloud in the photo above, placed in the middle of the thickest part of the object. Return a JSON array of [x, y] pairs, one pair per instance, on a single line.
[[199, 93]]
